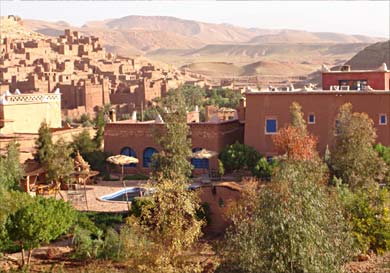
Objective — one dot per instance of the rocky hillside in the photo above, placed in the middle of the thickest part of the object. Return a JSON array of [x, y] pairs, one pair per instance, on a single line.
[[371, 57], [218, 49]]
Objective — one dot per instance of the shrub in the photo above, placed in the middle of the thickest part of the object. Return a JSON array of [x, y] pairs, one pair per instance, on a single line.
[[368, 212], [141, 203], [40, 222], [263, 169], [11, 171], [293, 224], [239, 157]]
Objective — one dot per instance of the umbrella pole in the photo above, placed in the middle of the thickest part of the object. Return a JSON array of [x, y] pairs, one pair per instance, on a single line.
[[124, 186]]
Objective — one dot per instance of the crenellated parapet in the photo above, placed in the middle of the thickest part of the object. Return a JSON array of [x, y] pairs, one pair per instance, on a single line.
[[29, 98]]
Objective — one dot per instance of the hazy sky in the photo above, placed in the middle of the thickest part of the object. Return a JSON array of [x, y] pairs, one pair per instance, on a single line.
[[353, 17]]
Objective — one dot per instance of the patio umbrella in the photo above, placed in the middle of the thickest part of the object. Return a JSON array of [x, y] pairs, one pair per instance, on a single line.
[[123, 160], [204, 154]]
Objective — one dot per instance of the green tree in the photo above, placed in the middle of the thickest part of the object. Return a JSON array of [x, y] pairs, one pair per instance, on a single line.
[[170, 226], [44, 142], [297, 120], [83, 143], [59, 164], [172, 163], [354, 159], [193, 96], [239, 156], [40, 222], [369, 215], [100, 123], [11, 201], [11, 171], [293, 224], [223, 97]]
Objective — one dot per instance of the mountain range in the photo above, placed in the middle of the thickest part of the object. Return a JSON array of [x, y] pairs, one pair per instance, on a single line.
[[218, 50]]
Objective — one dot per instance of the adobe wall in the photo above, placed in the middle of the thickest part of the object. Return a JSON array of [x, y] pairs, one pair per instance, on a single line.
[[219, 201], [28, 111], [376, 79], [323, 104], [139, 136]]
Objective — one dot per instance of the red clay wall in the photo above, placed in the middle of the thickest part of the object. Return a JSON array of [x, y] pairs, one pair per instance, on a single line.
[[324, 105], [139, 136], [376, 79]]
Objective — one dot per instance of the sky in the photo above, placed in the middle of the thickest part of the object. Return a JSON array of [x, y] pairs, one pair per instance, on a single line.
[[370, 18]]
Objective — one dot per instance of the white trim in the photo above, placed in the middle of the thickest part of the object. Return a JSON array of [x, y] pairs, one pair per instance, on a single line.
[[308, 118], [265, 126]]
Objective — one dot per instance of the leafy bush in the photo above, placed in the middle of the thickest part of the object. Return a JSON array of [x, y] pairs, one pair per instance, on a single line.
[[293, 224], [263, 169], [87, 244], [368, 212], [11, 202], [141, 203], [11, 170], [239, 157], [41, 221]]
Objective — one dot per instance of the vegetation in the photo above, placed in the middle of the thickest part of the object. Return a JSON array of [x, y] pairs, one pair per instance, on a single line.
[[58, 163], [195, 96], [11, 201], [368, 212], [11, 170], [170, 227], [384, 153], [172, 162], [294, 223], [238, 157], [273, 234], [294, 141], [44, 143], [40, 221], [353, 158]]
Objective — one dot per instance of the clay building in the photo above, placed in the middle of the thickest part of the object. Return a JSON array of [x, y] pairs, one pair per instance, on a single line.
[[266, 112], [24, 113], [346, 79], [137, 139]]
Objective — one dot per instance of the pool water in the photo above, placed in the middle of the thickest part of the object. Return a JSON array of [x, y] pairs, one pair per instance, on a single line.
[[121, 195]]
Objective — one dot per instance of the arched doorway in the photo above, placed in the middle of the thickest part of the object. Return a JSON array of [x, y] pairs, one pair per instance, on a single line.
[[147, 156], [129, 152]]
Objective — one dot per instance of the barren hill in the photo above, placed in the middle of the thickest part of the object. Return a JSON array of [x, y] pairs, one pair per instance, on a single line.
[[219, 49], [297, 36], [371, 57]]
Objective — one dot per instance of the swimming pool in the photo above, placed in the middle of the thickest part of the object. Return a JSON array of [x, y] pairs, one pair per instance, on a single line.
[[120, 196], [132, 192]]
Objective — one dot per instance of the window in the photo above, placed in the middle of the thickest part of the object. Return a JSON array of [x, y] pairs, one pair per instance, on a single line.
[[199, 163], [271, 126], [129, 152], [382, 119], [311, 119], [147, 156]]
